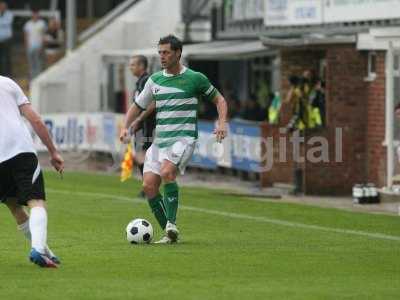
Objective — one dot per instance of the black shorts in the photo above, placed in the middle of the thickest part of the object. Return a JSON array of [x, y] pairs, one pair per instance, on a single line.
[[21, 178]]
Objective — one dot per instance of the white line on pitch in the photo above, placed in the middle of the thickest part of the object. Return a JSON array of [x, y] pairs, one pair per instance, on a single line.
[[242, 216]]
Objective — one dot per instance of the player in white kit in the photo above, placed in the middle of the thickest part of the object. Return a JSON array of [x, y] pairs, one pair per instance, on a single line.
[[21, 179]]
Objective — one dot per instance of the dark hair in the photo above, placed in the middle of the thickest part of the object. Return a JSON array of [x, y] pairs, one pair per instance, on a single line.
[[142, 60], [176, 44], [294, 80], [319, 80]]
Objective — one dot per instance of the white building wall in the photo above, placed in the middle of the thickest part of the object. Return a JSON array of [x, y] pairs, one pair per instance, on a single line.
[[73, 84]]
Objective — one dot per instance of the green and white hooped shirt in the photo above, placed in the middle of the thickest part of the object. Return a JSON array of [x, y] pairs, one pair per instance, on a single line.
[[177, 98]]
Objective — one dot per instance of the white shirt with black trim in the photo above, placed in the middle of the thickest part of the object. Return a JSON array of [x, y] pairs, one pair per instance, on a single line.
[[14, 134]]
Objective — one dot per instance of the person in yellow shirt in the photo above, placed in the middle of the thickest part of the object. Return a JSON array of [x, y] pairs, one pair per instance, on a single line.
[[296, 97]]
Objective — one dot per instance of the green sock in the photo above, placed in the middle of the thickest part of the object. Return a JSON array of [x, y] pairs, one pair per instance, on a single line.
[[157, 207], [170, 199]]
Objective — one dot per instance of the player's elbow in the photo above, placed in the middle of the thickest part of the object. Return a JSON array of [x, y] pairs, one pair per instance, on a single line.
[[219, 100]]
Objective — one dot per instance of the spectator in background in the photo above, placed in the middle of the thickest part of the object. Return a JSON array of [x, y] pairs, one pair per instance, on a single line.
[[6, 20], [54, 40], [252, 111], [274, 108], [233, 108], [228, 90], [317, 99], [232, 101], [207, 110], [34, 31]]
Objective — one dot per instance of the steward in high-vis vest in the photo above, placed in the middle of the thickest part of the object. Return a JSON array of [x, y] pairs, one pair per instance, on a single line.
[[308, 102], [317, 105], [297, 96], [274, 109], [314, 115]]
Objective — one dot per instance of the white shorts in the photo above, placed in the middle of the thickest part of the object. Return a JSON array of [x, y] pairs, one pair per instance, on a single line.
[[179, 154]]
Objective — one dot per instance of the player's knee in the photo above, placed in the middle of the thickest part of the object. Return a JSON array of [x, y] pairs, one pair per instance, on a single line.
[[36, 203], [168, 175], [149, 189]]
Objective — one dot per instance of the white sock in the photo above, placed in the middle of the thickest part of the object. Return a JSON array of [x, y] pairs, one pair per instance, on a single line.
[[38, 228], [24, 228]]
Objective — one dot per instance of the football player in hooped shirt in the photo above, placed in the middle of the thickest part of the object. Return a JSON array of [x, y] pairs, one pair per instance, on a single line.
[[176, 91]]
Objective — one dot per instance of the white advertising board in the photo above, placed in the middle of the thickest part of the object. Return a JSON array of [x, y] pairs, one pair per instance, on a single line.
[[86, 131], [248, 9], [292, 12], [309, 12], [360, 10]]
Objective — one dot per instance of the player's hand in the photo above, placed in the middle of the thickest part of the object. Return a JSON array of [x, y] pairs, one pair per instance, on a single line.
[[57, 162], [124, 136], [220, 131]]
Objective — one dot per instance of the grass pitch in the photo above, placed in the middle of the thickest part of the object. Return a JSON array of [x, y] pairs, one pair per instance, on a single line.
[[232, 248]]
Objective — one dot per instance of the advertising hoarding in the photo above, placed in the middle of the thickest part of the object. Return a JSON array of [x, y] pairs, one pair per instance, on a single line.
[[311, 12], [292, 12], [360, 10], [100, 132]]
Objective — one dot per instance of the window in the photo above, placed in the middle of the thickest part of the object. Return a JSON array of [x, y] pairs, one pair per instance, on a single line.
[[371, 66], [260, 74]]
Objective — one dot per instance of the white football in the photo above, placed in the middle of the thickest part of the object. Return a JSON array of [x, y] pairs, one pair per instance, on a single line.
[[139, 231]]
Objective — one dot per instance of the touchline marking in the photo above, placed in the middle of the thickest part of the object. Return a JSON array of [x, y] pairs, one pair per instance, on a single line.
[[380, 236], [293, 224]]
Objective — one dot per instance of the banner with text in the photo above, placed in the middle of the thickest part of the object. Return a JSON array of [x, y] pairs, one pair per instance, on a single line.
[[241, 150], [248, 10], [360, 10], [309, 12], [293, 12], [100, 132], [86, 131]]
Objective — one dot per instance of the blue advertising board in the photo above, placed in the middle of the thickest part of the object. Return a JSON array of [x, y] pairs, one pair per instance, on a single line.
[[243, 144], [203, 155]]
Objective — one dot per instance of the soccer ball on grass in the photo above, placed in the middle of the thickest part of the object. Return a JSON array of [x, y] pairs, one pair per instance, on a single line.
[[139, 231]]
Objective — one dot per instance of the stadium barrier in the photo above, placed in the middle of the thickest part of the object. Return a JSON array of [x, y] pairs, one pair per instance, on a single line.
[[83, 132], [241, 149], [98, 132]]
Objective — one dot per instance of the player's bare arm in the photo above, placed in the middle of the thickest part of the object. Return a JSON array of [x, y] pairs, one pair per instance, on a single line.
[[220, 131], [41, 130], [132, 114]]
